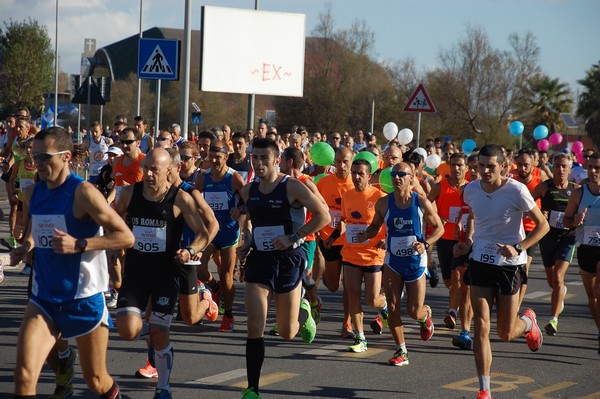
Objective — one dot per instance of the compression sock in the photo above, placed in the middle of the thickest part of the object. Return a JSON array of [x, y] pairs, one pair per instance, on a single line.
[[164, 365], [255, 355]]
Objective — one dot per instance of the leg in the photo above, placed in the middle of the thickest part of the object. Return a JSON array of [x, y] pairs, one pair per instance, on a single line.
[[509, 326], [465, 309], [256, 300], [415, 299], [37, 337], [204, 274], [393, 284], [226, 276], [482, 299], [557, 283], [287, 307], [590, 280], [92, 358], [353, 277]]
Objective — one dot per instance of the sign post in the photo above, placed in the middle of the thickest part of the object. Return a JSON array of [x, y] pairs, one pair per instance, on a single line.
[[420, 102], [158, 59]]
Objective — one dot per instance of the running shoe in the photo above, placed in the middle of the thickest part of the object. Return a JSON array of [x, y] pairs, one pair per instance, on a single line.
[[347, 331], [148, 371], [275, 330], [463, 341], [216, 294], [212, 312], [484, 394], [26, 271], [9, 242], [62, 391], [534, 336], [400, 358], [450, 320], [434, 277], [377, 325], [111, 303], [360, 345], [249, 393], [552, 327], [221, 304], [308, 327], [66, 369], [162, 394], [315, 310], [227, 324], [427, 326]]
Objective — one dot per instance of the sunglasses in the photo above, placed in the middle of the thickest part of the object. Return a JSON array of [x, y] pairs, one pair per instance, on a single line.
[[163, 138], [336, 138], [128, 142], [46, 156], [186, 157], [399, 174]]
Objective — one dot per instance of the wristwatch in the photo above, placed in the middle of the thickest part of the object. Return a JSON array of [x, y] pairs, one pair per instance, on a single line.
[[518, 248], [294, 237], [427, 245], [192, 251], [81, 244]]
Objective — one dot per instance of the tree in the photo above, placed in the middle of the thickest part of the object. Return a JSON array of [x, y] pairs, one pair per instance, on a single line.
[[478, 88], [589, 103], [547, 98], [26, 65]]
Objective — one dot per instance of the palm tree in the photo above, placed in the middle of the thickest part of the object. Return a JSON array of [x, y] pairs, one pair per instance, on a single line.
[[547, 99], [589, 103]]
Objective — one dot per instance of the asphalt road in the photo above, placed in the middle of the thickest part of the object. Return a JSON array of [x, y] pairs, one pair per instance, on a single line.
[[209, 364]]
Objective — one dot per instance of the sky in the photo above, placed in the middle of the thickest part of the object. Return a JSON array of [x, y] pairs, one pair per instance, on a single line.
[[567, 31]]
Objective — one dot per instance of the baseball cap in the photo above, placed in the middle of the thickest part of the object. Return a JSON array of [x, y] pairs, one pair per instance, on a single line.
[[115, 150]]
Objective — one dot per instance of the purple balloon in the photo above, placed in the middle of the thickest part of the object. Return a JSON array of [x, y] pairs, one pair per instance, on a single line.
[[577, 147], [543, 145]]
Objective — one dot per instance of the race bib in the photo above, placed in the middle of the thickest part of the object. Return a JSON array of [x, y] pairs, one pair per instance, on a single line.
[[217, 200], [24, 183], [486, 252], [336, 217], [556, 220], [463, 222], [42, 229], [150, 239], [352, 231], [403, 246], [453, 214], [591, 235], [263, 237]]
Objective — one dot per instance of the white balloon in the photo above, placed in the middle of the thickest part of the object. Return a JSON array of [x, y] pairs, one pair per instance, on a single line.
[[421, 151], [433, 161], [405, 136], [390, 131]]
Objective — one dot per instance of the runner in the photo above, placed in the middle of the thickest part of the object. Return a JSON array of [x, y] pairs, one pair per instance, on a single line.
[[156, 211], [239, 159], [97, 147], [558, 245], [276, 264], [497, 263], [404, 213], [583, 214], [70, 270]]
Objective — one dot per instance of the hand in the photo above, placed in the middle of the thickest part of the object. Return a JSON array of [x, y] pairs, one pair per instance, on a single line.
[[380, 244], [13, 199], [282, 242], [235, 213], [243, 250], [579, 218], [327, 243], [419, 247], [362, 236], [460, 248], [508, 251], [182, 256], [62, 243]]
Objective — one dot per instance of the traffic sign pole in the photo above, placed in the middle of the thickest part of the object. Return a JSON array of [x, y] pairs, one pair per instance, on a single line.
[[157, 111], [418, 129]]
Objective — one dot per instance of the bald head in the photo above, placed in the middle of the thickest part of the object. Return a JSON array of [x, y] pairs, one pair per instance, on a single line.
[[402, 167], [392, 155], [159, 155], [343, 152]]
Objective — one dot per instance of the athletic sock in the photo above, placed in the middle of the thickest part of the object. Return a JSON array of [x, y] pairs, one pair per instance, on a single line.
[[527, 321], [484, 382], [255, 355], [112, 393], [65, 354], [164, 364], [403, 347], [228, 313]]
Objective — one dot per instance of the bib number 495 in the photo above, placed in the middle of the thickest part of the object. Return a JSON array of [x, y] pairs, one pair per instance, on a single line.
[[487, 258]]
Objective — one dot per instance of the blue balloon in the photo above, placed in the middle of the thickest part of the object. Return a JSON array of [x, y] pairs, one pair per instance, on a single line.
[[540, 132], [447, 139], [468, 146], [516, 128]]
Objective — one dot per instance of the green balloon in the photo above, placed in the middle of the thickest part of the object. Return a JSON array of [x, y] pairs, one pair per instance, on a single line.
[[319, 177], [322, 154], [385, 180], [370, 157]]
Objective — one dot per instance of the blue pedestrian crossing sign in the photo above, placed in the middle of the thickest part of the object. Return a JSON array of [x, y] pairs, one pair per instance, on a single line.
[[158, 59], [196, 118]]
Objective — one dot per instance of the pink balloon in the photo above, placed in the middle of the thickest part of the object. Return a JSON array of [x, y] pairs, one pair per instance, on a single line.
[[543, 145], [555, 138], [577, 147], [580, 158]]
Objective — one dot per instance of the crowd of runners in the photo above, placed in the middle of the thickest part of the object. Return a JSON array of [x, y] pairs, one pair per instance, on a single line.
[[137, 231]]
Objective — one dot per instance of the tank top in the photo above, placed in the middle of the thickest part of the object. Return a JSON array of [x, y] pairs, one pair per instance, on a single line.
[[188, 234], [554, 202], [57, 277], [358, 210], [331, 188], [221, 198], [144, 146], [130, 174], [589, 232], [98, 155], [528, 223], [244, 168], [156, 230], [448, 207], [311, 237], [25, 178], [272, 215], [404, 226]]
